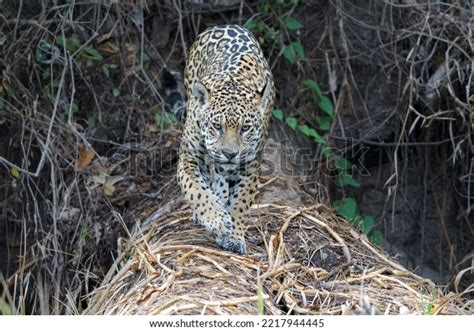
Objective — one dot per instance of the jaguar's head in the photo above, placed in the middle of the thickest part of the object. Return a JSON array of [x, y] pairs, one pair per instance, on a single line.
[[233, 119]]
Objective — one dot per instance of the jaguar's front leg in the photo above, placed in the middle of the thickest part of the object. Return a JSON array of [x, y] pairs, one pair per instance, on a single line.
[[208, 209], [242, 195]]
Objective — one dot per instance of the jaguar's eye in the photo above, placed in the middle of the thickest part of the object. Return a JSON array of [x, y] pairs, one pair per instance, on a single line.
[[217, 125], [245, 128]]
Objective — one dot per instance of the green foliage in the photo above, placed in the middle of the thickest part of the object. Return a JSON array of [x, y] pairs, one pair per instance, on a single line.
[[5, 308], [324, 122], [349, 209], [314, 88], [277, 27], [278, 114], [346, 179], [165, 119], [326, 106], [346, 207], [292, 23], [293, 52], [91, 54], [428, 308], [72, 45], [292, 122], [108, 67], [146, 60], [115, 92]]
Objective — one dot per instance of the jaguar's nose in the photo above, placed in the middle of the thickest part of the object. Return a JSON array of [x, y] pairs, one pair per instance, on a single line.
[[230, 154]]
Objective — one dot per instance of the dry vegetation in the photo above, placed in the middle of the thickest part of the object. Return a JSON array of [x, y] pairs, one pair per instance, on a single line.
[[87, 195]]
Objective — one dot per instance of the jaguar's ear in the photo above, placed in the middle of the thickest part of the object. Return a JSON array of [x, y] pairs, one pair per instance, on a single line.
[[201, 92], [264, 97]]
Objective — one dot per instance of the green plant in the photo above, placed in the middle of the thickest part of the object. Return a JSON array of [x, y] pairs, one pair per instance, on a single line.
[[5, 308], [165, 119], [108, 67], [271, 24], [346, 207], [277, 29], [349, 209], [428, 308]]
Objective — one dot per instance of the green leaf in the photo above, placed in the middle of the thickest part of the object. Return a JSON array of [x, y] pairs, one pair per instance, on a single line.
[[5, 308], [367, 224], [251, 24], [314, 88], [39, 55], [324, 122], [326, 151], [115, 92], [272, 34], [298, 48], [376, 237], [2, 104], [316, 137], [347, 208], [292, 23], [46, 74], [326, 106], [304, 129], [289, 54], [74, 108], [91, 54], [278, 114], [264, 6], [342, 163], [107, 67], [146, 57], [346, 179], [164, 119], [292, 122], [71, 44]]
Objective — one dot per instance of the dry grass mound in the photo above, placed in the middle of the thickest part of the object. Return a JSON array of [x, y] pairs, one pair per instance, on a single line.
[[301, 259]]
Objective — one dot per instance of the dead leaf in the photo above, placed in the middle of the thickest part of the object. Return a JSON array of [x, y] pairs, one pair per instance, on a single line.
[[107, 35], [153, 128], [108, 48], [109, 189], [84, 159]]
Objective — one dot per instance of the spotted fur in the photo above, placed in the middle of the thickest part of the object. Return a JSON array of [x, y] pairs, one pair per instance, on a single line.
[[230, 94]]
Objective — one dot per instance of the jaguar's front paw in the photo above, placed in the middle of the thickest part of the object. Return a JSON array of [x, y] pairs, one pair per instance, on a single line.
[[236, 245], [219, 223]]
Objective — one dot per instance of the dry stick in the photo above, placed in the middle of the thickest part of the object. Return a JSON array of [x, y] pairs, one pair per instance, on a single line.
[[167, 307], [48, 136], [217, 265], [22, 269], [283, 268], [202, 249], [356, 279], [396, 280], [326, 227], [106, 288], [391, 263], [180, 23]]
